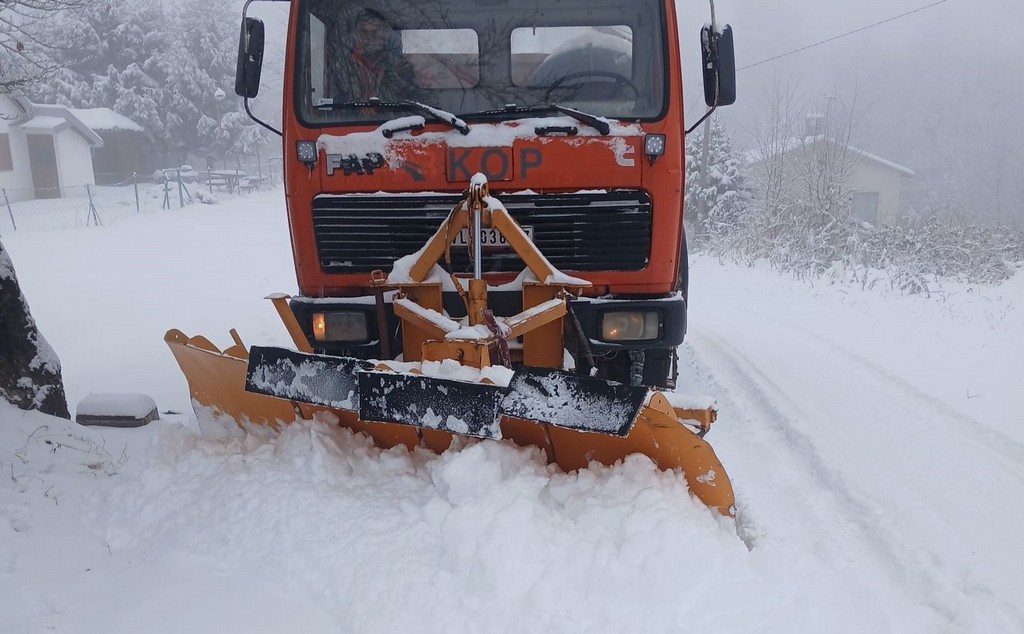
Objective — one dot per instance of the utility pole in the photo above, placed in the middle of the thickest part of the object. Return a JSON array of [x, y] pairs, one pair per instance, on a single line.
[[705, 158]]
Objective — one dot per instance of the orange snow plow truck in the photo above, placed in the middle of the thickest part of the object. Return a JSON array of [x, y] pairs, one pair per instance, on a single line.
[[485, 200]]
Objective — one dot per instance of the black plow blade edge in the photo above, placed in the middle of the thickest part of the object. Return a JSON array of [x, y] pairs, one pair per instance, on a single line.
[[573, 402], [459, 407], [305, 378]]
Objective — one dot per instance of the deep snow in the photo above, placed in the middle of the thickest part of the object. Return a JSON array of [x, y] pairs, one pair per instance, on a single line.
[[874, 442]]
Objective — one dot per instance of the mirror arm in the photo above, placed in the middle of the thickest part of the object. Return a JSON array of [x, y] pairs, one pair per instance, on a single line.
[[245, 102], [702, 120], [245, 14]]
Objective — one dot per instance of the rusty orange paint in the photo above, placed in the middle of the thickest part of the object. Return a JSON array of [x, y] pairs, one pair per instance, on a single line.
[[582, 163]]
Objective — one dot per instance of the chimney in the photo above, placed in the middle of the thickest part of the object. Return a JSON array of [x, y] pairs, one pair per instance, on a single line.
[[815, 125]]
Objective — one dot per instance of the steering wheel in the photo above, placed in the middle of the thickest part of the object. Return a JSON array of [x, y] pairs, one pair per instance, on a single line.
[[619, 80]]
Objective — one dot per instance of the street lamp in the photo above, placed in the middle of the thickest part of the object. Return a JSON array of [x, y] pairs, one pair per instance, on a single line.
[[219, 95]]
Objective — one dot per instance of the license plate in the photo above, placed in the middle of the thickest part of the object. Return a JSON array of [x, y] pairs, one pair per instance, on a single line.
[[490, 238]]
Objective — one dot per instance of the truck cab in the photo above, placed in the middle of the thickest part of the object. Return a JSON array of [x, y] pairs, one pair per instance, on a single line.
[[572, 110]]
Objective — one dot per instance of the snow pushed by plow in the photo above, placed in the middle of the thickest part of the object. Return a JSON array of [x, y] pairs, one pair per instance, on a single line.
[[484, 538]]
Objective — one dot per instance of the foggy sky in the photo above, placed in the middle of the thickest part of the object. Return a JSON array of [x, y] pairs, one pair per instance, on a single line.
[[940, 91]]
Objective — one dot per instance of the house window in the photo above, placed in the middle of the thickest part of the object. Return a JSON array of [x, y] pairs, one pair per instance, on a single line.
[[865, 206], [6, 162]]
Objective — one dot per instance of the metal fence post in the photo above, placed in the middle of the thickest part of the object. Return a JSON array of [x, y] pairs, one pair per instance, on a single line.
[[181, 193], [135, 182], [92, 209], [10, 211]]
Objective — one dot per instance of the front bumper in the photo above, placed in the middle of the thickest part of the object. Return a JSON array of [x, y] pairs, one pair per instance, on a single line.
[[671, 313]]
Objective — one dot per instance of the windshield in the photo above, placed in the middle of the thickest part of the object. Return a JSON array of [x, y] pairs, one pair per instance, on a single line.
[[602, 57]]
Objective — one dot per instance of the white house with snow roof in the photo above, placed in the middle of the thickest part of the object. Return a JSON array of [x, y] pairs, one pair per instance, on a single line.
[[44, 149], [124, 152], [874, 184]]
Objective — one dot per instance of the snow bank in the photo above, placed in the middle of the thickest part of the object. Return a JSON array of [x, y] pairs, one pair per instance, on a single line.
[[484, 538]]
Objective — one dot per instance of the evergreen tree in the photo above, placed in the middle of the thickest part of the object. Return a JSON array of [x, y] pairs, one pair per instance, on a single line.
[[171, 70], [717, 197]]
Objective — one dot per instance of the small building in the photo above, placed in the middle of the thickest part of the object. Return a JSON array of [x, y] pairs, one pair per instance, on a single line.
[[44, 149], [874, 184], [124, 151]]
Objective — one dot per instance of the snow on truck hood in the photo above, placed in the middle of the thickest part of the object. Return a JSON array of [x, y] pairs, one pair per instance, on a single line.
[[500, 134]]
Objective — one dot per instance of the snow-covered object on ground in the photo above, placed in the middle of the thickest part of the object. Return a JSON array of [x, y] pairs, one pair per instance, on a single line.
[[137, 405], [124, 410]]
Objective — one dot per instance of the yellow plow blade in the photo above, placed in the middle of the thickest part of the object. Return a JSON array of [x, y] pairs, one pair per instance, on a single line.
[[217, 382]]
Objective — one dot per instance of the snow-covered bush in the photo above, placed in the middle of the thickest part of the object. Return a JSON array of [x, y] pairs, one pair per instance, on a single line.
[[939, 249], [807, 242], [795, 213]]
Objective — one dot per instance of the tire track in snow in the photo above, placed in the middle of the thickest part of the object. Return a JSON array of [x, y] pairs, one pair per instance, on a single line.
[[802, 431], [958, 421], [781, 474]]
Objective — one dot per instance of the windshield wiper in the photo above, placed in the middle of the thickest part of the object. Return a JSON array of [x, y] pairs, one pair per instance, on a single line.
[[404, 104], [598, 123]]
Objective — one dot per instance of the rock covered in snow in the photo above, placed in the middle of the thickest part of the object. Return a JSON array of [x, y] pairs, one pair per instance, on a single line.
[[29, 369]]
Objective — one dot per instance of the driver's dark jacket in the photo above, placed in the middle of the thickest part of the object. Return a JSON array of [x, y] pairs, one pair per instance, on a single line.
[[389, 77]]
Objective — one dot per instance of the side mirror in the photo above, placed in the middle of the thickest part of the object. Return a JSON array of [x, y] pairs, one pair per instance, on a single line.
[[719, 66], [250, 58]]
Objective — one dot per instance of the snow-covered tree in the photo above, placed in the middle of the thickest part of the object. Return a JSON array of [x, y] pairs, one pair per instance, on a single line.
[[26, 51], [29, 370], [170, 69], [717, 194]]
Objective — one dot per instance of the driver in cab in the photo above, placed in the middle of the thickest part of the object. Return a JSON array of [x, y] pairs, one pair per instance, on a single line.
[[374, 67]]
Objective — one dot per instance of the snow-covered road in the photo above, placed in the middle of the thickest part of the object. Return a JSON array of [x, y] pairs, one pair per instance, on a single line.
[[874, 441], [857, 417]]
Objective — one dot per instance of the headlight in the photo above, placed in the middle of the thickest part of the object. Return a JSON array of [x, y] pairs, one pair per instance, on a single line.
[[349, 326], [630, 325]]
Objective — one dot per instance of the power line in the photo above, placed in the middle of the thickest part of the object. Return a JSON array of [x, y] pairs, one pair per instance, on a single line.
[[832, 39]]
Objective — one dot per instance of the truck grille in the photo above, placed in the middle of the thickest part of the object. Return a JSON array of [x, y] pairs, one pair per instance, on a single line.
[[606, 231]]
